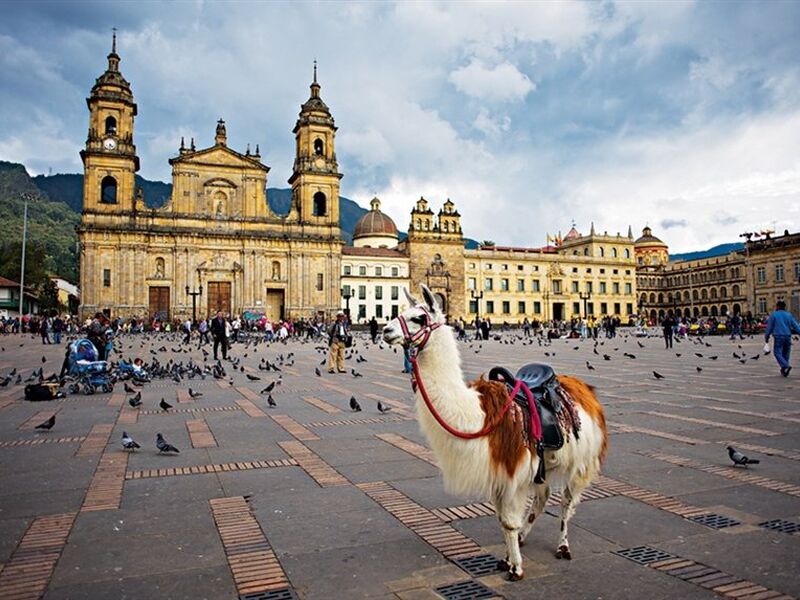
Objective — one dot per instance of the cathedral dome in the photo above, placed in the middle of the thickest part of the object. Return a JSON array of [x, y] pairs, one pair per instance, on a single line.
[[375, 223], [648, 239]]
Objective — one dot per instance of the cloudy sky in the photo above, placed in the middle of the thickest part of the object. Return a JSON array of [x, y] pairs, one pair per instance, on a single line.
[[682, 115]]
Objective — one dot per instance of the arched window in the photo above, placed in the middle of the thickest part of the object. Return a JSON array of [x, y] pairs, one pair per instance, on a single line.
[[723, 310], [704, 294], [419, 225], [713, 311], [613, 253], [704, 311], [446, 227], [586, 252], [723, 291], [735, 290], [320, 205], [713, 293], [602, 252], [627, 253], [319, 147], [652, 298], [695, 295], [686, 296], [111, 126], [108, 190], [661, 298]]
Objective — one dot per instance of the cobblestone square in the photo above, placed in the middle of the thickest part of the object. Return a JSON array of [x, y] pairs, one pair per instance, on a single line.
[[311, 500]]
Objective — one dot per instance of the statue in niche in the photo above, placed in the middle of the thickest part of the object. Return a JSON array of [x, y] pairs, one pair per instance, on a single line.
[[159, 268], [219, 205], [276, 270]]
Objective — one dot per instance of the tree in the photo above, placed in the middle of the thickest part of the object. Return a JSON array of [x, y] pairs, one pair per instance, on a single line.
[[35, 259], [48, 297], [487, 243]]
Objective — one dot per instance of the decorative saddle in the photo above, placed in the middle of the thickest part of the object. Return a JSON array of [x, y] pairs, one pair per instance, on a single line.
[[554, 406]]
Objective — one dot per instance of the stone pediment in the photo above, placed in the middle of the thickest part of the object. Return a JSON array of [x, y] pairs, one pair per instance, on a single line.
[[219, 155]]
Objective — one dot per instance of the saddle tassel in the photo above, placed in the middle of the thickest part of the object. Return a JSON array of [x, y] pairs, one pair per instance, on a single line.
[[541, 472]]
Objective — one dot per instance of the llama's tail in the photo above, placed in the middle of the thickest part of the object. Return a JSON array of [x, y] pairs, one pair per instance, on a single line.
[[585, 396]]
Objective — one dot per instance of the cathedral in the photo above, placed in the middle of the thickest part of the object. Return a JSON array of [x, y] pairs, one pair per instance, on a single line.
[[216, 244]]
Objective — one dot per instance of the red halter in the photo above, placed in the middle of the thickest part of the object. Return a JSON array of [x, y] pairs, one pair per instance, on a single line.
[[415, 343]]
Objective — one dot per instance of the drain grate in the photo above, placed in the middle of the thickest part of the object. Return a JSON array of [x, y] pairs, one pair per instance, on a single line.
[[644, 555], [465, 590], [781, 525], [479, 565], [281, 594], [715, 521]]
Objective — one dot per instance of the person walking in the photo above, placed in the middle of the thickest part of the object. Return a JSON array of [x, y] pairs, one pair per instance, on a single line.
[[373, 330], [218, 332], [44, 330], [668, 325], [202, 327], [187, 330], [337, 334], [781, 325], [736, 326], [58, 327]]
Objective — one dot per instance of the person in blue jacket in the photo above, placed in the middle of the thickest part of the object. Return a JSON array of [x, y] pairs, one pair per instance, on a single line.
[[781, 325]]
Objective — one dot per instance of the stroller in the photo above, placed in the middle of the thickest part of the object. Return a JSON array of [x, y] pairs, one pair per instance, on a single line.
[[86, 371]]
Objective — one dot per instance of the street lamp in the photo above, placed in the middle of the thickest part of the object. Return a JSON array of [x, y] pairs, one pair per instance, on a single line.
[[347, 294], [585, 296], [477, 295], [194, 294]]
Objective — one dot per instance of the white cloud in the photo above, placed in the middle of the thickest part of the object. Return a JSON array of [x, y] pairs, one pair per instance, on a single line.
[[501, 83]]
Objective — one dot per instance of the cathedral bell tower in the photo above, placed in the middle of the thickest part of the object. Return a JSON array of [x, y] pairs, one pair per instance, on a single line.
[[109, 158], [315, 177]]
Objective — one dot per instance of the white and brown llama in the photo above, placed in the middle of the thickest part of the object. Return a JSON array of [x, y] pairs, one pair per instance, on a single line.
[[498, 466]]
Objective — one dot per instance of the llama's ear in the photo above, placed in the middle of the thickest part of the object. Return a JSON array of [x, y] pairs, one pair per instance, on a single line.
[[411, 300], [429, 298]]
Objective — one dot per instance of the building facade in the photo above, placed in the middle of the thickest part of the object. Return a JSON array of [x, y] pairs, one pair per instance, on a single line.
[[773, 272], [374, 271], [216, 235]]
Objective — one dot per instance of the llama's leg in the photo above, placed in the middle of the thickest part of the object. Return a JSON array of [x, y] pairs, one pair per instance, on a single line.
[[511, 511], [541, 494], [570, 498]]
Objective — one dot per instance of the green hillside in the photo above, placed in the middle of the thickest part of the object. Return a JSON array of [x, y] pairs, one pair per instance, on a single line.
[[52, 240]]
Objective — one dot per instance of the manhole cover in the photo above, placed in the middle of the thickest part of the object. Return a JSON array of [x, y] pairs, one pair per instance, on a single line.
[[465, 590], [281, 594], [781, 525], [644, 555], [478, 566], [715, 521]]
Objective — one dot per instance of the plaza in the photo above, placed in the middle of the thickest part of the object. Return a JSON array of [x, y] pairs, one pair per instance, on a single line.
[[311, 500]]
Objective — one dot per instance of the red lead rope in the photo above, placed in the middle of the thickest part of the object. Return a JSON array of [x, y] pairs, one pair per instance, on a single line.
[[536, 424]]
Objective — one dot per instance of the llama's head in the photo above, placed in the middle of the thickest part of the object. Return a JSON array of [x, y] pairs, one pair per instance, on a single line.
[[415, 324]]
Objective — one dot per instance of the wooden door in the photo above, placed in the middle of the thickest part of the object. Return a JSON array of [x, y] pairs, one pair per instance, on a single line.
[[159, 303], [219, 297], [274, 307]]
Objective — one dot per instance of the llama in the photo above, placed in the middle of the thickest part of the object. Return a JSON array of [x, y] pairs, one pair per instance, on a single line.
[[499, 465]]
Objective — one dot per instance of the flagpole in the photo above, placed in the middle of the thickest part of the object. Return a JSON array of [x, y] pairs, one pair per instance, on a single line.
[[22, 268]]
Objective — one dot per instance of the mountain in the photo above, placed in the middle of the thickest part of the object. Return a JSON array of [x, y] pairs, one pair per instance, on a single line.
[[720, 250], [52, 245]]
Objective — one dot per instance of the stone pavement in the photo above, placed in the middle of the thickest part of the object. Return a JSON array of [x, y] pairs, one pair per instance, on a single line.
[[310, 500]]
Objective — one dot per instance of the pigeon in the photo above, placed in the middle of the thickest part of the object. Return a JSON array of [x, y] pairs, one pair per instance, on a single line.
[[589, 366], [318, 372], [128, 442], [641, 345], [699, 369], [606, 357], [740, 459], [697, 354], [269, 388], [383, 408], [355, 373], [129, 389], [713, 357], [253, 377], [163, 446], [135, 401], [194, 394], [44, 359], [657, 375], [355, 406], [5, 381], [164, 405], [47, 425], [271, 402]]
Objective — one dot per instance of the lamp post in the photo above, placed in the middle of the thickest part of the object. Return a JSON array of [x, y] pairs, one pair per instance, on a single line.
[[194, 294], [347, 294], [585, 296], [477, 295]]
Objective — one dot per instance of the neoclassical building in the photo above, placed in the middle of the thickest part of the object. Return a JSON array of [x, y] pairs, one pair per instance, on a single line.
[[216, 234]]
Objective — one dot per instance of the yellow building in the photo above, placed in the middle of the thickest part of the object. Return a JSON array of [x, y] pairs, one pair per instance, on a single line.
[[216, 233]]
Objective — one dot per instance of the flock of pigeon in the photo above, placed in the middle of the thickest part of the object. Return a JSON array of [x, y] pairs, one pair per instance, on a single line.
[[177, 371]]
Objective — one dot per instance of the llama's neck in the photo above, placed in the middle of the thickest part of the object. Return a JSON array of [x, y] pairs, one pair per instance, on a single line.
[[440, 369]]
